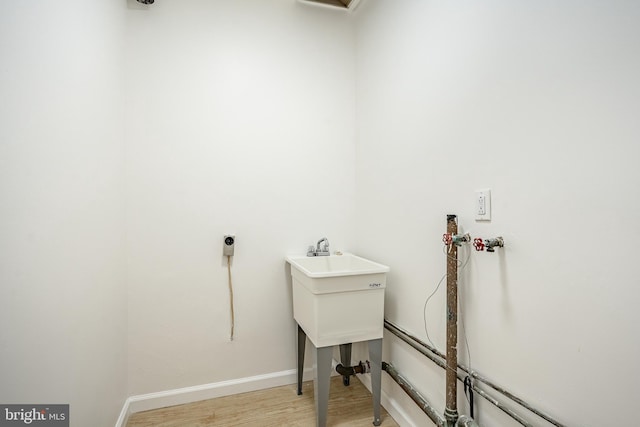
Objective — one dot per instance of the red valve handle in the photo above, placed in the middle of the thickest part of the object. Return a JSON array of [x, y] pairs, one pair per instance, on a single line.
[[478, 244], [447, 238]]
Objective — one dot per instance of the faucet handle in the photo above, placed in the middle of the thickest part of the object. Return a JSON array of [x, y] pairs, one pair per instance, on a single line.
[[311, 251], [478, 243], [322, 247]]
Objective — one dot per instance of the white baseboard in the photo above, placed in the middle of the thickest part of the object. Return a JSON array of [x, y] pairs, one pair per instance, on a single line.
[[146, 402], [124, 415]]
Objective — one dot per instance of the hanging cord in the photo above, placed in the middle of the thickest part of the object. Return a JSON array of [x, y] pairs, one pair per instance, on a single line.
[[468, 388], [464, 334], [466, 342], [424, 310], [461, 265], [230, 296]]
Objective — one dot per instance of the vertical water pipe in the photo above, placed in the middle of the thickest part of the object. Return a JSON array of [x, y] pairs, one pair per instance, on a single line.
[[451, 410]]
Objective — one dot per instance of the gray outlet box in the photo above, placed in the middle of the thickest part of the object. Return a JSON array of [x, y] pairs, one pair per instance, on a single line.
[[229, 244]]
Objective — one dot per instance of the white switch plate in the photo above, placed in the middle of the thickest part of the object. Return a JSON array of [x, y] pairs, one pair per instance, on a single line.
[[483, 205]]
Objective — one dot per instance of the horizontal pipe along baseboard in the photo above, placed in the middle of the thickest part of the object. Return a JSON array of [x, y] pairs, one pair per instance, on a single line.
[[438, 358], [413, 394]]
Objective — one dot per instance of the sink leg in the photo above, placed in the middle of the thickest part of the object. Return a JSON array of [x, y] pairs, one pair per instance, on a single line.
[[345, 359], [375, 354], [321, 383], [302, 340]]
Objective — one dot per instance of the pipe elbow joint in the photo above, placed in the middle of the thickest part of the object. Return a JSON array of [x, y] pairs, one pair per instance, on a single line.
[[360, 368], [465, 421], [345, 371]]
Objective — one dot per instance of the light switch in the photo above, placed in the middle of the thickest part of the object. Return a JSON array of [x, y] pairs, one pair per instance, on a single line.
[[483, 205]]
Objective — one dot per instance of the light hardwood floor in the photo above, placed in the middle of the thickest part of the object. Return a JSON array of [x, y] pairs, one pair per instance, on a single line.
[[281, 406]]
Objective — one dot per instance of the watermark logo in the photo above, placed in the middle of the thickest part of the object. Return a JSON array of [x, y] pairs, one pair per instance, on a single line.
[[34, 415]]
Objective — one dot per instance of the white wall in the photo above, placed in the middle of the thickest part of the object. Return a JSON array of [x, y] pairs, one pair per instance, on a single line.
[[539, 102], [240, 118], [63, 303]]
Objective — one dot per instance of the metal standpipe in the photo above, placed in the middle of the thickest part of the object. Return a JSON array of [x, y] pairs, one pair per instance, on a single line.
[[322, 374], [451, 410]]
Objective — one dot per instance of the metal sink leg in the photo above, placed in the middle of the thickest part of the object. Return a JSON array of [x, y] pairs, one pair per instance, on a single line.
[[375, 354], [321, 383], [302, 340]]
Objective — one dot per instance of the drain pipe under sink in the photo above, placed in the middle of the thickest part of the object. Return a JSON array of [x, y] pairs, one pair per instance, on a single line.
[[360, 368]]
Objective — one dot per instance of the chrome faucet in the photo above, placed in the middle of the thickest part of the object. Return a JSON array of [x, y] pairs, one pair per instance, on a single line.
[[321, 249]]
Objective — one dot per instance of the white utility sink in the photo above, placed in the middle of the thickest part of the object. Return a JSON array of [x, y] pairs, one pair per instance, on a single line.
[[338, 299]]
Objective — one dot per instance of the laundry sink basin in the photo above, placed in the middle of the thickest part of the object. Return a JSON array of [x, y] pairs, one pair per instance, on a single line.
[[338, 299]]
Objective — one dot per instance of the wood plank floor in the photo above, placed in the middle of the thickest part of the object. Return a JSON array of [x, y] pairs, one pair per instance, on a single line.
[[281, 406]]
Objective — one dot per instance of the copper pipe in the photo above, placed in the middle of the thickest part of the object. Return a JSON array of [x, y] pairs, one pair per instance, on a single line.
[[451, 409]]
